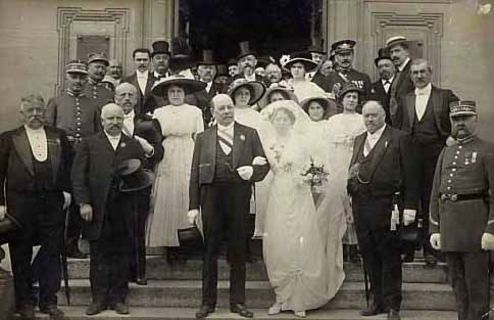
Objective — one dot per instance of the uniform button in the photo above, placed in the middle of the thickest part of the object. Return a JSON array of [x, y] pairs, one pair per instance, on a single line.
[[454, 169], [78, 129], [450, 174], [79, 119], [78, 123], [456, 157], [77, 135], [449, 188], [459, 147], [458, 152], [449, 181], [454, 163]]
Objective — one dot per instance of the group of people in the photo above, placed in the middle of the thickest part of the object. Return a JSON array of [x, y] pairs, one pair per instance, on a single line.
[[330, 165]]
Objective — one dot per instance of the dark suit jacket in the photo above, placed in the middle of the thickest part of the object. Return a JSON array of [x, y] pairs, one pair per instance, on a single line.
[[258, 78], [16, 161], [392, 169], [439, 100], [404, 83], [146, 102], [246, 146], [94, 174], [378, 93], [203, 100]]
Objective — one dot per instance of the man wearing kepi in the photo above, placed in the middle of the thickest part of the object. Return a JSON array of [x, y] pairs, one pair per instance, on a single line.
[[34, 171], [382, 174], [105, 209], [228, 159], [462, 211]]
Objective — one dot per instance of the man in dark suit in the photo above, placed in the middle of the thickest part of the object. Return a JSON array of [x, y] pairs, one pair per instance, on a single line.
[[247, 63], [143, 80], [402, 84], [424, 115], [147, 132], [228, 159], [34, 171], [462, 211], [380, 90], [105, 209], [382, 174], [206, 69]]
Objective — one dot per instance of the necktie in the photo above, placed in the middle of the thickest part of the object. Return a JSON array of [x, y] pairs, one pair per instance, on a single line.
[[226, 141], [367, 148]]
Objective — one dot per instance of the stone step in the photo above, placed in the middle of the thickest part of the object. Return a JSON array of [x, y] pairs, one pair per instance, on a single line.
[[159, 269], [187, 293], [136, 313]]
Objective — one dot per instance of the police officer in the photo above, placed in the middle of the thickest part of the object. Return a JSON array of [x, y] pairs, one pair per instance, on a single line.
[[78, 115], [101, 92], [462, 211]]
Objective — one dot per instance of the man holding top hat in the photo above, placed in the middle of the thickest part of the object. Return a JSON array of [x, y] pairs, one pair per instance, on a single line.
[[462, 211], [344, 73], [34, 171], [228, 158], [99, 91], [106, 208]]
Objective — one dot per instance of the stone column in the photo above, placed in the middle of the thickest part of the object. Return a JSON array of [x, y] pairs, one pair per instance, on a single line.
[[160, 20]]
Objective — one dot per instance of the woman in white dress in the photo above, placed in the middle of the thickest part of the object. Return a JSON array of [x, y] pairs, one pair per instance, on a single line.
[[341, 132], [299, 64], [180, 122], [293, 248]]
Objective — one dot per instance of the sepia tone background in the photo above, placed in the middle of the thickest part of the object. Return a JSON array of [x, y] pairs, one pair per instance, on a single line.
[[37, 37]]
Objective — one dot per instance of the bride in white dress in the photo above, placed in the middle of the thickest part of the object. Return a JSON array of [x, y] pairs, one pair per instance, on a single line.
[[293, 248]]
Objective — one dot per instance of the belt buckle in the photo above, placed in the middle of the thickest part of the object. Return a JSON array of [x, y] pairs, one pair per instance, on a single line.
[[453, 197], [444, 197]]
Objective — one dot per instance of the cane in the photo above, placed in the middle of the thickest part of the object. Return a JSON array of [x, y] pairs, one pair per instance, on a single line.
[[135, 214], [65, 269]]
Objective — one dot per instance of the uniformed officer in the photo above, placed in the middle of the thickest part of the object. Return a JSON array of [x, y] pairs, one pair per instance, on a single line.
[[462, 211], [78, 115], [99, 91], [344, 73]]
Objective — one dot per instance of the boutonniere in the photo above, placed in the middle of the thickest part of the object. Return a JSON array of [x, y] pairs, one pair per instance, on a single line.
[[386, 144], [242, 137], [123, 145]]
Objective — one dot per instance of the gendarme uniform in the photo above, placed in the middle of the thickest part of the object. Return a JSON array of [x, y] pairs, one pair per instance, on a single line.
[[461, 211], [101, 92], [75, 113]]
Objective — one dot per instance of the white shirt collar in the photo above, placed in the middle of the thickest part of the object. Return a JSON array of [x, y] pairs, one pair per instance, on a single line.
[[402, 66], [226, 128], [377, 134], [142, 74], [209, 85], [130, 115], [424, 91], [390, 80], [114, 140], [34, 131]]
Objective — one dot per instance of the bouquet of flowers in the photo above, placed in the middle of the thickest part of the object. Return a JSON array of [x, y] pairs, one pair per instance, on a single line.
[[316, 176]]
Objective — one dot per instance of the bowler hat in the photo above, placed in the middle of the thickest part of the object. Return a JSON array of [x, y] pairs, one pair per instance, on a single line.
[[302, 57], [342, 46], [98, 57], [160, 47], [256, 89], [383, 53], [133, 177], [245, 50], [160, 88]]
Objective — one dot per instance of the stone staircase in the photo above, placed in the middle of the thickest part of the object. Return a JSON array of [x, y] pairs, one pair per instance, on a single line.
[[175, 293]]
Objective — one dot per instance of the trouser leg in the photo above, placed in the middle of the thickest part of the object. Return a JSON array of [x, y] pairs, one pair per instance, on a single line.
[[457, 278]]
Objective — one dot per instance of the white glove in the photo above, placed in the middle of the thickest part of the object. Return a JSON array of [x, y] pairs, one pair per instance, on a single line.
[[146, 146], [435, 241], [259, 161], [487, 241], [86, 212], [245, 172], [3, 211], [409, 216], [192, 215], [67, 199]]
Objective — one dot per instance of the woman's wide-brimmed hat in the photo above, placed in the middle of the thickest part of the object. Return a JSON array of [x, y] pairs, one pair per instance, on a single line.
[[303, 57], [329, 106], [160, 88], [284, 91], [256, 88], [133, 176], [349, 87]]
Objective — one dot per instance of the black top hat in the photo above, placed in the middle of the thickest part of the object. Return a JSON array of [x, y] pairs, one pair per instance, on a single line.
[[231, 62], [161, 47], [133, 177], [181, 54], [244, 50], [207, 58], [316, 49], [382, 53], [264, 61], [221, 70], [303, 57], [160, 88], [342, 46]]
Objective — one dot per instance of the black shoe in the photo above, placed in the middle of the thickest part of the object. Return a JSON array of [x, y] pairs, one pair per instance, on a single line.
[[241, 310], [142, 281], [372, 310], [95, 308], [430, 261], [204, 311], [121, 308], [26, 312], [53, 311], [393, 314]]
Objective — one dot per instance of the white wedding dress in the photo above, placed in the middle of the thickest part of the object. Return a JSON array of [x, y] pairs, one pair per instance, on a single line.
[[300, 268]]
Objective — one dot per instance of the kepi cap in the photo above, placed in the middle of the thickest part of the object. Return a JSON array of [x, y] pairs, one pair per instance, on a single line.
[[343, 45], [98, 57], [76, 66], [463, 108]]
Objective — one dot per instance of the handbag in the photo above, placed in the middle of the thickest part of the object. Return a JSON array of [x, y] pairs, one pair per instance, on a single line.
[[190, 238], [8, 226]]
